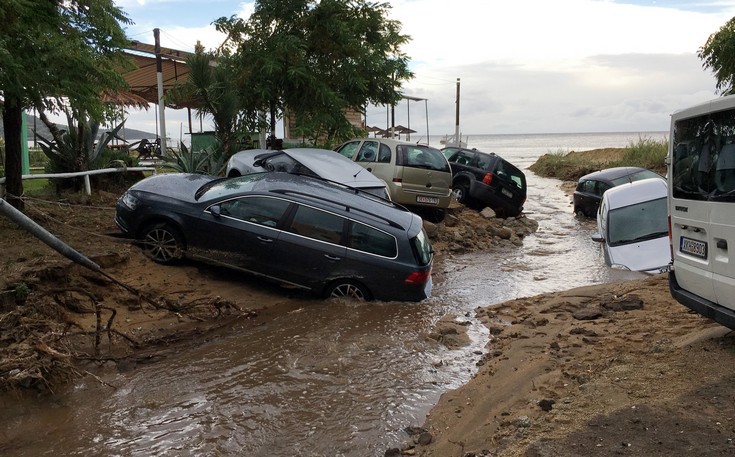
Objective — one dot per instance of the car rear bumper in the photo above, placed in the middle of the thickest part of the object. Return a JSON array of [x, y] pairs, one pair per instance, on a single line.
[[488, 195], [702, 306]]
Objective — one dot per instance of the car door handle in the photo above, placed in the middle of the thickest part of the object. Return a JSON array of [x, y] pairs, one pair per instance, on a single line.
[[332, 257], [265, 240]]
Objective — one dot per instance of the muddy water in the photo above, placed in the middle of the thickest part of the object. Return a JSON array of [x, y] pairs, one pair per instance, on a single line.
[[329, 379]]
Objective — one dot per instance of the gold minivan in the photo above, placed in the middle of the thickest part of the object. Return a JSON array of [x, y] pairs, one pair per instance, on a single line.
[[418, 176]]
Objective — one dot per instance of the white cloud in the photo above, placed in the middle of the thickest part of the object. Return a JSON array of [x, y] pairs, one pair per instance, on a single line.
[[526, 66]]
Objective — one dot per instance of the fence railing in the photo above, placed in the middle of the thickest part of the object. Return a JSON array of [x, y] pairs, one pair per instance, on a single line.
[[85, 174]]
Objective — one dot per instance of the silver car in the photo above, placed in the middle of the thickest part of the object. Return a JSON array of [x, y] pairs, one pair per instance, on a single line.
[[321, 163]]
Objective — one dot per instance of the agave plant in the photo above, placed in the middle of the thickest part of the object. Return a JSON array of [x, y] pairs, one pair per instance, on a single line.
[[187, 161], [75, 149]]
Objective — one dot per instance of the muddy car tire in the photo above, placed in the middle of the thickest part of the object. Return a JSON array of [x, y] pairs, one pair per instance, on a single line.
[[347, 288], [460, 192], [162, 243]]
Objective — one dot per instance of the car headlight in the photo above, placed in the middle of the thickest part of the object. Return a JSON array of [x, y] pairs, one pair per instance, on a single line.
[[129, 200]]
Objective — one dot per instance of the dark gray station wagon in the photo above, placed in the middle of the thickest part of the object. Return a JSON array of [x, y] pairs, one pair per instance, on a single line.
[[302, 231]]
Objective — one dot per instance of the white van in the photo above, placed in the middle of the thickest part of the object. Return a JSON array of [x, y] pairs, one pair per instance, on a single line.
[[701, 174]]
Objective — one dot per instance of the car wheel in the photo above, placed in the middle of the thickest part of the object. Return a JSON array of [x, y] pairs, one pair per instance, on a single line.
[[233, 173], [346, 288], [460, 192], [162, 243]]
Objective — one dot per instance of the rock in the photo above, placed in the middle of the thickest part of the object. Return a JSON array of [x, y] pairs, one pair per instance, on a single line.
[[589, 313], [425, 439], [546, 405], [451, 220], [393, 452], [488, 213], [625, 303]]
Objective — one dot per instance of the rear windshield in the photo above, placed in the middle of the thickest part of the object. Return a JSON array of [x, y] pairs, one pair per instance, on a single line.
[[419, 156], [703, 157], [509, 172]]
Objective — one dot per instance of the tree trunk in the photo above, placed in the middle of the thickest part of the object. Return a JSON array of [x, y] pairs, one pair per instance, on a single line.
[[13, 123]]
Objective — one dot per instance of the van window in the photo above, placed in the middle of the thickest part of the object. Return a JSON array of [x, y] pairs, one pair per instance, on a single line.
[[317, 224], [419, 156], [349, 149], [368, 152], [368, 239], [703, 162]]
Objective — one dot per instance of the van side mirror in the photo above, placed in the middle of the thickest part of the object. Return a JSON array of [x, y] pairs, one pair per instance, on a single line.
[[598, 238]]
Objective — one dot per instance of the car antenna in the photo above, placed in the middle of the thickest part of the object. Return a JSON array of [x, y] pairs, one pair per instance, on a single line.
[[358, 172]]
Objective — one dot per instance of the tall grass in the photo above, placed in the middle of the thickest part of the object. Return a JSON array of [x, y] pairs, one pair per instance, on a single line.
[[646, 153]]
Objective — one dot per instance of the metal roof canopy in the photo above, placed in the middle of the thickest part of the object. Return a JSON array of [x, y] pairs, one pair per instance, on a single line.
[[143, 81]]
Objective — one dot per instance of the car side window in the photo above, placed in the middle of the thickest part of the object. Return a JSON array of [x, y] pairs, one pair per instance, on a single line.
[[464, 158], [368, 239], [602, 187], [368, 152], [258, 210], [318, 225], [589, 187], [384, 155], [349, 149]]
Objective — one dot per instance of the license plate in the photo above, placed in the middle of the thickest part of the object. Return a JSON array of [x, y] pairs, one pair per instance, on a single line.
[[427, 200], [693, 247], [507, 193]]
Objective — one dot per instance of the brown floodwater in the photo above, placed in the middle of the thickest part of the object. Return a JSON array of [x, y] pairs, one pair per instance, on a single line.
[[332, 378]]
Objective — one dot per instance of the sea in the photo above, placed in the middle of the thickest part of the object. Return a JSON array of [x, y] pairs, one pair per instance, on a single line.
[[524, 149]]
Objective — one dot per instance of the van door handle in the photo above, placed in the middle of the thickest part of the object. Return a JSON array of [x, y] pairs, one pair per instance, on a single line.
[[722, 244], [331, 257]]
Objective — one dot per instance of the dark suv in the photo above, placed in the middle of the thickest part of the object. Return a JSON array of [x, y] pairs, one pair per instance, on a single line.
[[488, 179], [301, 231]]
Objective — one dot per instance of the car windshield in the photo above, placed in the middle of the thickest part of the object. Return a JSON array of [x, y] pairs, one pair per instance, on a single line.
[[228, 186], [639, 222]]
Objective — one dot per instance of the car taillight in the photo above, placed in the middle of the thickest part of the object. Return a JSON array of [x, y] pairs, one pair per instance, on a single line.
[[488, 178], [418, 277], [397, 179]]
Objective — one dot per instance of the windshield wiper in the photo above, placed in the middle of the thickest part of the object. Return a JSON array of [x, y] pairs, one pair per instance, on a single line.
[[649, 236]]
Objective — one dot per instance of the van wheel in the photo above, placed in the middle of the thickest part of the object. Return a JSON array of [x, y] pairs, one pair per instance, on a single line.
[[460, 192], [346, 288], [162, 243]]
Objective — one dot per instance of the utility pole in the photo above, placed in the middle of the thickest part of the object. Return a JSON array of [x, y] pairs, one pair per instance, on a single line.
[[159, 80]]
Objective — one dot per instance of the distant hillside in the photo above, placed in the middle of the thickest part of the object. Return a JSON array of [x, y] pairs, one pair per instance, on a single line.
[[130, 134]]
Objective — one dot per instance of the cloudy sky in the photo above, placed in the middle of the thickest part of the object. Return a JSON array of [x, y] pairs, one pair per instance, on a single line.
[[525, 66]]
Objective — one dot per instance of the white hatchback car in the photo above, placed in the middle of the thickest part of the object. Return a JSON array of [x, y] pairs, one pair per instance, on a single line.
[[632, 225], [321, 163]]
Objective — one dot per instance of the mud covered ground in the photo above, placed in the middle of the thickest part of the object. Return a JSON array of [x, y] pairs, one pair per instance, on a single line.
[[59, 319], [612, 369]]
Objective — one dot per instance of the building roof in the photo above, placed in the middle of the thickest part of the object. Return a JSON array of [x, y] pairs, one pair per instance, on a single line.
[[143, 80]]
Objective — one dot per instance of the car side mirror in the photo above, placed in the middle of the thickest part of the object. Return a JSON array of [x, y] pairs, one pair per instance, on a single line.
[[597, 237], [216, 210]]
